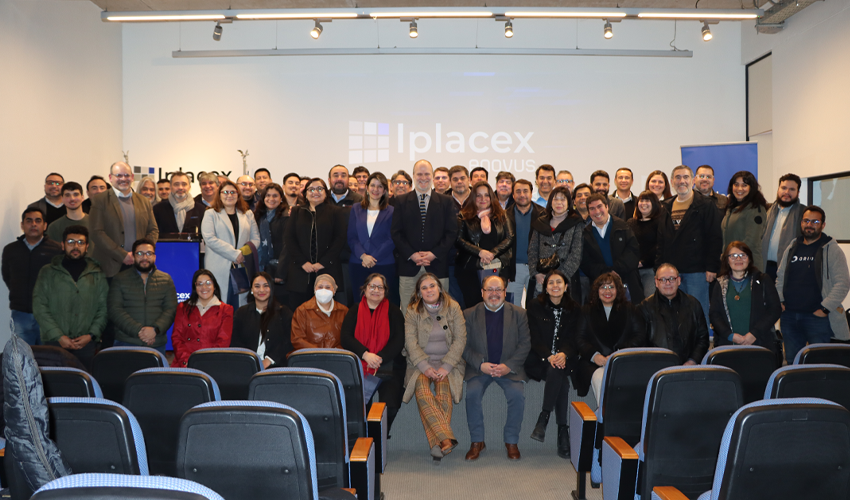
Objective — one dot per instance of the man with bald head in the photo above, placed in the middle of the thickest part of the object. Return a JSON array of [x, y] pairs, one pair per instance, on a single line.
[[119, 217], [248, 190], [424, 230]]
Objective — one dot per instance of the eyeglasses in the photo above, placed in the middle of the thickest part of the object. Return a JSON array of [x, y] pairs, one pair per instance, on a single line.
[[738, 256], [401, 183], [494, 290], [316, 190], [564, 181], [667, 281], [53, 183], [145, 254], [70, 242], [811, 221], [122, 176], [228, 193], [607, 287], [204, 283], [246, 184], [375, 288]]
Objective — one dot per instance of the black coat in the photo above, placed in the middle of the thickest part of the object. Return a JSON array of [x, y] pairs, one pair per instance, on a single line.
[[696, 246], [541, 327], [331, 223], [163, 212], [468, 240], [438, 236], [693, 332], [625, 254], [246, 332], [394, 344], [646, 233], [20, 268], [765, 309]]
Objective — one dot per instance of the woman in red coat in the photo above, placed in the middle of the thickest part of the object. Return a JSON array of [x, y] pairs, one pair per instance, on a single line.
[[202, 321]]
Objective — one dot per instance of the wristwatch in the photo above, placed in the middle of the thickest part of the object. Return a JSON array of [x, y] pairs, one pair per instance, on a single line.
[[825, 310]]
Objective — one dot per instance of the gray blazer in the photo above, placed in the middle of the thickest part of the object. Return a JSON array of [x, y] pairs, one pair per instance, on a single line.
[[791, 230], [516, 341]]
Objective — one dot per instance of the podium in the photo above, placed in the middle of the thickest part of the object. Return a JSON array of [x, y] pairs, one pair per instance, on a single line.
[[180, 258]]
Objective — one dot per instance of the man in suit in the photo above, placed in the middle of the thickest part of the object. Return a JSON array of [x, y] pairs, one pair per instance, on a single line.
[[179, 212], [424, 230], [497, 343], [119, 217]]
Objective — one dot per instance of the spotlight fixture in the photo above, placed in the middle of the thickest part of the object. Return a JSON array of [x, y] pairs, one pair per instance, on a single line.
[[509, 29], [414, 32], [316, 31], [217, 32], [706, 33], [609, 33]]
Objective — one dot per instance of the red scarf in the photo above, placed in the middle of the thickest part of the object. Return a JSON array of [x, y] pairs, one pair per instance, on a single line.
[[373, 328]]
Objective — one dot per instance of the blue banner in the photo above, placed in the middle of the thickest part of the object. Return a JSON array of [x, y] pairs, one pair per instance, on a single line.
[[180, 259], [725, 159]]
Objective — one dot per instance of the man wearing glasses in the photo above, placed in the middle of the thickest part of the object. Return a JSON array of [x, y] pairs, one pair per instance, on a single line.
[[51, 205], [69, 300], [142, 301], [497, 343], [248, 190], [813, 272], [674, 319]]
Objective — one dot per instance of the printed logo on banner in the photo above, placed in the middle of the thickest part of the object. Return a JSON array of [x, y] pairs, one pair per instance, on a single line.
[[368, 142], [144, 170]]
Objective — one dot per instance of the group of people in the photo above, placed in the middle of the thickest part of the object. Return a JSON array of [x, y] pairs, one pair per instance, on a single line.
[[435, 278]]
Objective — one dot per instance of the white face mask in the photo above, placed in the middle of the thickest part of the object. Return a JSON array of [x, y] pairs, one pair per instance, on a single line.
[[324, 296]]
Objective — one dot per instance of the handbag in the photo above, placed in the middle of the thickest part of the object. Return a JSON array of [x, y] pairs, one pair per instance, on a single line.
[[548, 264], [239, 282], [491, 269]]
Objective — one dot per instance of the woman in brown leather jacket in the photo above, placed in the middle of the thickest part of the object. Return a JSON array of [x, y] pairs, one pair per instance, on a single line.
[[317, 322]]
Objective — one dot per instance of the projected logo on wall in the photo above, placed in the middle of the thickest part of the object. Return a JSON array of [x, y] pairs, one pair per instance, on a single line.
[[369, 142]]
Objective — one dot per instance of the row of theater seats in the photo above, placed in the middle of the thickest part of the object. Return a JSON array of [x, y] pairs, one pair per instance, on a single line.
[[294, 431], [685, 432]]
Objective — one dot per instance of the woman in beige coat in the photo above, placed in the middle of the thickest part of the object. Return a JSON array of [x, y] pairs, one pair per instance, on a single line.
[[434, 338]]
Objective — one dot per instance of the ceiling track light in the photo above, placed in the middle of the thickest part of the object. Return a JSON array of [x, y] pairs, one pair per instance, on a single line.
[[509, 29], [706, 33], [217, 31], [316, 31], [414, 31], [609, 32]]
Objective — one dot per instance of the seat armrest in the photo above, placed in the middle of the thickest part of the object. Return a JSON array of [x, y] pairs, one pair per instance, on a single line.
[[350, 490], [362, 463], [667, 493], [377, 429], [582, 435], [619, 469]]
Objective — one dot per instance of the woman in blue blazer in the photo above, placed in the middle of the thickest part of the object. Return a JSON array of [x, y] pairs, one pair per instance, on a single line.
[[372, 247]]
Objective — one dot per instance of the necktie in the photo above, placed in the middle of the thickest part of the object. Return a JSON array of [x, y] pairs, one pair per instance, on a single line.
[[422, 212]]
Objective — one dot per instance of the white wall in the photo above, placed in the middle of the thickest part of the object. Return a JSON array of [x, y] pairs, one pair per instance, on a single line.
[[295, 113], [61, 102]]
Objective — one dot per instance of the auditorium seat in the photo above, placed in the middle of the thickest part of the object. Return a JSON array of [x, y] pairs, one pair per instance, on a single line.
[[627, 373], [112, 366], [754, 364], [231, 368], [68, 382], [98, 435], [158, 397], [685, 411], [318, 395], [829, 382], [783, 448], [833, 354], [248, 450], [123, 487]]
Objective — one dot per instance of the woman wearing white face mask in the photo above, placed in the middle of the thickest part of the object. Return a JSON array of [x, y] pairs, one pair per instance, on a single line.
[[317, 322]]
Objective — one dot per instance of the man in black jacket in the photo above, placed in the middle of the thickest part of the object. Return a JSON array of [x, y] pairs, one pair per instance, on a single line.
[[21, 262], [179, 212], [674, 319], [424, 230], [610, 246], [689, 236], [521, 214]]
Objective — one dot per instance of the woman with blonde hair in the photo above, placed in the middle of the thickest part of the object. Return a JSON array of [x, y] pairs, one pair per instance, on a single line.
[[434, 339]]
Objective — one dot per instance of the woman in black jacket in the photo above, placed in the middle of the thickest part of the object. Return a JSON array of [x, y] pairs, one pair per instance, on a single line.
[[609, 323], [315, 237], [272, 215], [484, 241], [373, 329], [644, 224], [745, 304], [263, 325], [552, 321]]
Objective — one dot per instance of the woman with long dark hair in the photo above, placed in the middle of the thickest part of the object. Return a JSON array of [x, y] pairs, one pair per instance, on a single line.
[[272, 215], [644, 225], [746, 214], [262, 325], [553, 320], [202, 321], [658, 183], [484, 242], [609, 323]]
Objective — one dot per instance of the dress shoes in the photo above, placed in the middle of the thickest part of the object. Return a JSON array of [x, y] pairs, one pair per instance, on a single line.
[[475, 449], [513, 451]]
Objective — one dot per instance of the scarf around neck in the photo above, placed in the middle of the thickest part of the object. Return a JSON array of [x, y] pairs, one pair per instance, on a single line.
[[372, 328], [180, 208], [486, 226]]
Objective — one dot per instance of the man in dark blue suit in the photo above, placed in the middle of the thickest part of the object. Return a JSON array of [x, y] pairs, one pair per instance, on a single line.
[[424, 230]]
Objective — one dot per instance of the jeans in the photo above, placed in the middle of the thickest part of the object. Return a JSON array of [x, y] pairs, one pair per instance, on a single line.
[[514, 393], [517, 286], [647, 279], [694, 284], [25, 327], [801, 328], [119, 343], [454, 288]]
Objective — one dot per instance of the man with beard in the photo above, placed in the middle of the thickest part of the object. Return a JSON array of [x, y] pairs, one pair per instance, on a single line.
[[341, 196], [142, 301], [69, 299], [704, 183], [459, 179], [783, 222], [51, 204], [262, 178], [248, 190], [812, 282], [291, 188], [179, 212], [521, 214]]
